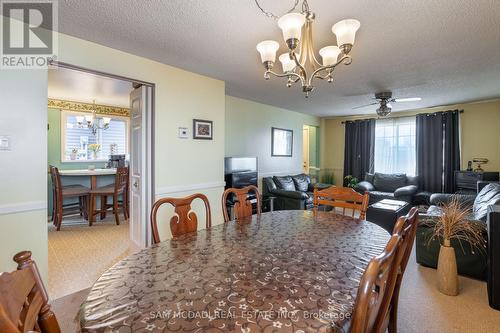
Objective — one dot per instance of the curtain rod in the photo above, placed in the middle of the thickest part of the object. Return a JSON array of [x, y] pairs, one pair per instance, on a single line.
[[343, 122]]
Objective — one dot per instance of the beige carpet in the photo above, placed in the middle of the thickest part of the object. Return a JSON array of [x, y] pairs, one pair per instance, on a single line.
[[79, 254], [422, 309]]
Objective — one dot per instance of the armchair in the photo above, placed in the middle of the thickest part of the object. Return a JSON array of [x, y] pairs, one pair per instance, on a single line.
[[470, 262]]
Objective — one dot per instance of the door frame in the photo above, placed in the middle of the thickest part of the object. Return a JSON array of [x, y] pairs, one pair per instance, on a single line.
[[150, 129], [305, 148]]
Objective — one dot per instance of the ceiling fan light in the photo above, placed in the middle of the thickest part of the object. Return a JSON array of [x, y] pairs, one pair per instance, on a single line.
[[267, 50], [287, 63], [345, 31], [329, 54], [291, 25], [409, 99]]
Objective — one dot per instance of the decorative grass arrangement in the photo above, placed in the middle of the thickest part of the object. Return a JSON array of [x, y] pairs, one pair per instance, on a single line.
[[454, 223]]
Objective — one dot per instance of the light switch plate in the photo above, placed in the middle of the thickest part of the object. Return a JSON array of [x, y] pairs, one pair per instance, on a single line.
[[183, 133], [4, 142]]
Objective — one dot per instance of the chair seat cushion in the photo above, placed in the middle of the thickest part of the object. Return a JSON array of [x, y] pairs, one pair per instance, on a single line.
[[75, 190], [104, 190]]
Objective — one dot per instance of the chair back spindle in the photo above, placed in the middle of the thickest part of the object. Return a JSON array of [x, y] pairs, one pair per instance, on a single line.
[[344, 198]]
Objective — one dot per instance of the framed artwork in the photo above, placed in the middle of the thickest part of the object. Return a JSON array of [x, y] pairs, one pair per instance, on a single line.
[[203, 129], [281, 142]]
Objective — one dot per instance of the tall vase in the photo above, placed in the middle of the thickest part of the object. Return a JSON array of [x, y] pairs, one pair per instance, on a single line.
[[447, 270]]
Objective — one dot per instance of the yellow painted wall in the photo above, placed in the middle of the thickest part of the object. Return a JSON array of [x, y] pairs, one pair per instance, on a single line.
[[180, 97], [480, 135]]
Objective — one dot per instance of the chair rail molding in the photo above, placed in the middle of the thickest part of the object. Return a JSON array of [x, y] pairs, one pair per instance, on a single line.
[[279, 173], [22, 207], [188, 188]]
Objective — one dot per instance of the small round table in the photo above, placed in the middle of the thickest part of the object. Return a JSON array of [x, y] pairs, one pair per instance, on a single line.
[[290, 271]]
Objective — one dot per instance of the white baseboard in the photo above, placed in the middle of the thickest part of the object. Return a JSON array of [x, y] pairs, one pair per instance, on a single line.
[[22, 207]]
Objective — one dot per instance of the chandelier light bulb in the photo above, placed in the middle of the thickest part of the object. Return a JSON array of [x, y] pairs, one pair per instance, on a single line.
[[267, 50], [329, 54], [291, 25], [345, 31], [287, 63]]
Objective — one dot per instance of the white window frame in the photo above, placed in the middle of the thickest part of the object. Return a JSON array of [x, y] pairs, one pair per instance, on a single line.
[[64, 117]]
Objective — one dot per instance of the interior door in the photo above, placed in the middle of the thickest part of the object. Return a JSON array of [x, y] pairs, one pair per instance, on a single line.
[[305, 149], [140, 157]]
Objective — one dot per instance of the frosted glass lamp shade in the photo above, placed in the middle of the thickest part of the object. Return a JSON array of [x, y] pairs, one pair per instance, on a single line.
[[89, 118], [287, 63], [79, 119], [345, 31], [291, 25], [106, 120], [267, 50], [329, 55]]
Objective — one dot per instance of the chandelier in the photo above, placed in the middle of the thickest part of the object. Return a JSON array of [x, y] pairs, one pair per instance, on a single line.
[[92, 122], [300, 64]]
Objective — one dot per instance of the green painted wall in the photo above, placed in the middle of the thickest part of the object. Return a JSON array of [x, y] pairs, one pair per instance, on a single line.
[[54, 158]]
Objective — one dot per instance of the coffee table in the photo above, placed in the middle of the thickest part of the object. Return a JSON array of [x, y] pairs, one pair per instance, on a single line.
[[386, 212]]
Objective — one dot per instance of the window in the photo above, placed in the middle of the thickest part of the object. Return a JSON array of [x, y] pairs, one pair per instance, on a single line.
[[395, 145], [75, 141]]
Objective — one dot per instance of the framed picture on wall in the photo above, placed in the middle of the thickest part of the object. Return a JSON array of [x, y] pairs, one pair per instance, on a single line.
[[281, 142], [202, 129]]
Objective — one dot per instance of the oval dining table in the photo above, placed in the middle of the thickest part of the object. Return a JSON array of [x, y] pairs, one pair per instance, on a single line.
[[283, 271]]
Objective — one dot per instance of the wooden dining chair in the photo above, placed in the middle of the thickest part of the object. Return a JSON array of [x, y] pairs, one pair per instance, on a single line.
[[24, 301], [114, 191], [375, 291], [342, 197], [185, 220], [242, 205], [61, 192], [406, 227]]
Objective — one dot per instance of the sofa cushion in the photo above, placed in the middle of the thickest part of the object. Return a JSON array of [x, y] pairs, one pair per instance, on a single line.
[[489, 195], [301, 182], [412, 180], [284, 183], [369, 177], [388, 182]]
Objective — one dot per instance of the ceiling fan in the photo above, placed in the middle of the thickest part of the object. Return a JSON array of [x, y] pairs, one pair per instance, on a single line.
[[384, 99]]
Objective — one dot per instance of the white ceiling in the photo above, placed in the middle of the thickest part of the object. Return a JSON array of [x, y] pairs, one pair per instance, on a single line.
[[77, 86], [445, 51]]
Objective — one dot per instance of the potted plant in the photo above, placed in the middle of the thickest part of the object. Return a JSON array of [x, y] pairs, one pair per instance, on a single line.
[[454, 224], [350, 181], [95, 148]]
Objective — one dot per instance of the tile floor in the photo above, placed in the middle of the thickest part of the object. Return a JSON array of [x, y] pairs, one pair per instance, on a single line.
[[79, 254]]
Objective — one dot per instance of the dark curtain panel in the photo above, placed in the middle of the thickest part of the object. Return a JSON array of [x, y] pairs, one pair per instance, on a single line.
[[359, 151], [451, 133], [438, 150]]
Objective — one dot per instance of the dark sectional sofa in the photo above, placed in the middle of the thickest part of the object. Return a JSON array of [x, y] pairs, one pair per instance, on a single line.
[[290, 192], [389, 186]]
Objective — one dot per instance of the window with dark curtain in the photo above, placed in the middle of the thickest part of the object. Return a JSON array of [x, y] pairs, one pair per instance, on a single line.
[[438, 150], [359, 148]]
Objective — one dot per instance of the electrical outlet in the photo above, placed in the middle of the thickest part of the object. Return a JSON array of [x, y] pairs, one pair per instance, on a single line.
[[4, 142]]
